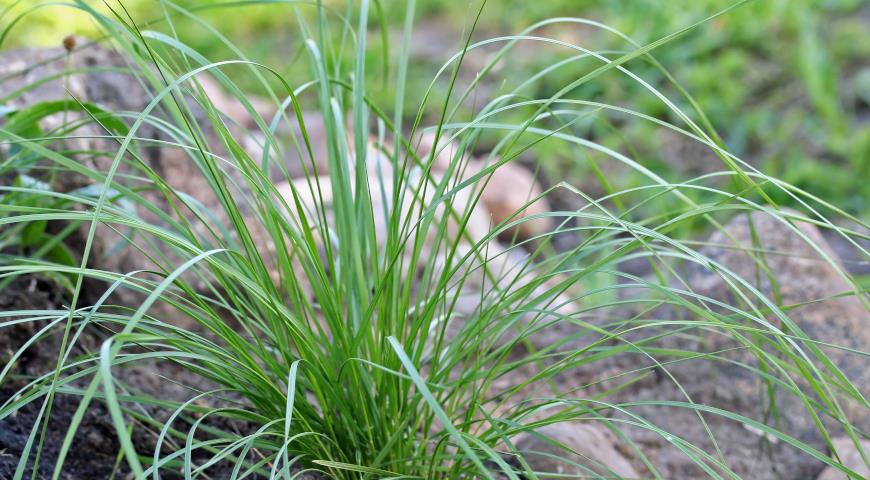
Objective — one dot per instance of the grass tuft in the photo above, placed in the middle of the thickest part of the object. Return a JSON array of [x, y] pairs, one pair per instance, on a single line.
[[337, 292]]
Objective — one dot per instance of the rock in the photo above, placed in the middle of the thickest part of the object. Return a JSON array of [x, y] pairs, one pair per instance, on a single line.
[[850, 458], [821, 300], [507, 195], [292, 152], [380, 177], [507, 191], [586, 450], [686, 155], [120, 89], [508, 266], [230, 106], [104, 77], [805, 282], [849, 253], [22, 71]]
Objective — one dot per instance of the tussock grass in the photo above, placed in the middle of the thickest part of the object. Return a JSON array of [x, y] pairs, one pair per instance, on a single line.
[[336, 329]]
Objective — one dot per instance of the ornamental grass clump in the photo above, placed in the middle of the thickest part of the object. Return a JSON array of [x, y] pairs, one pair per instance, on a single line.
[[350, 306]]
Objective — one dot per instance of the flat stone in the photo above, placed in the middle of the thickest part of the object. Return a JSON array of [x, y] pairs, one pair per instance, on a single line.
[[575, 450], [850, 457]]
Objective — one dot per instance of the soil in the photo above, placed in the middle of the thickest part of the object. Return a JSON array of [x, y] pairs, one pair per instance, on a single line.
[[95, 447]]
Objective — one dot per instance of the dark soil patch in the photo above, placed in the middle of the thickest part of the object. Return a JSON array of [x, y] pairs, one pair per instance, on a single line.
[[94, 451], [24, 293], [94, 446]]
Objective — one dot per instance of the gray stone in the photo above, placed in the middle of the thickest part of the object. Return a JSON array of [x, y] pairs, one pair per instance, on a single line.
[[787, 265], [575, 450], [850, 457], [814, 295]]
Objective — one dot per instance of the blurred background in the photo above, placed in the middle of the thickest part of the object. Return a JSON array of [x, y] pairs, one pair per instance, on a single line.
[[785, 83]]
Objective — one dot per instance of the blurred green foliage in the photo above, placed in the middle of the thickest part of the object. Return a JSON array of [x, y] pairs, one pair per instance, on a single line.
[[786, 83]]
